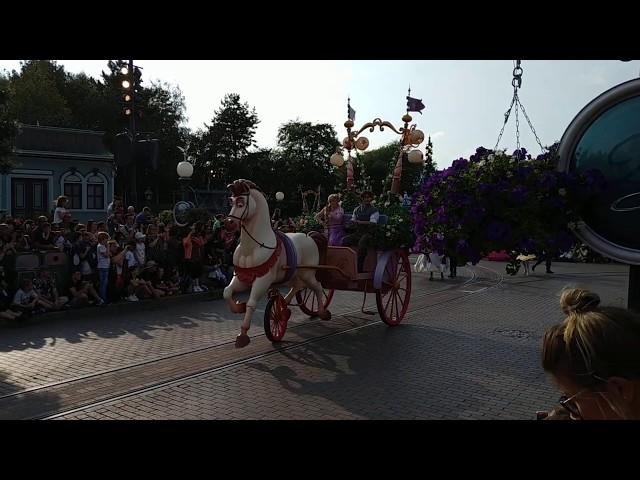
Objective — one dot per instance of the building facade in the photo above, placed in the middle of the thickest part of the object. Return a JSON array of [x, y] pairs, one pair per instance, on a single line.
[[49, 162]]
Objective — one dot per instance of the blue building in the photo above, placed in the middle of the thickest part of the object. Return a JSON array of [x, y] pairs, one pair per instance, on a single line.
[[49, 162]]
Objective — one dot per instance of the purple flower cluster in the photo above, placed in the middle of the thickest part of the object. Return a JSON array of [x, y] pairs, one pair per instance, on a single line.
[[496, 201]]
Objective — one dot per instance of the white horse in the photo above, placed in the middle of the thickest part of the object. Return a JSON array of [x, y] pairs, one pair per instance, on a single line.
[[260, 258]]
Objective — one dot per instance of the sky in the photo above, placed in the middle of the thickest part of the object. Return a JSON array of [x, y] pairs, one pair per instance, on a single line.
[[465, 100]]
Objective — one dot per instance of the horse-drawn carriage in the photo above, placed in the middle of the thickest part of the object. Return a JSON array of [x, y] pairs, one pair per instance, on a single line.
[[266, 259]]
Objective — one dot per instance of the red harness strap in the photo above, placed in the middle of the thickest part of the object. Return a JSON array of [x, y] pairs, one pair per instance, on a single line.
[[248, 275]]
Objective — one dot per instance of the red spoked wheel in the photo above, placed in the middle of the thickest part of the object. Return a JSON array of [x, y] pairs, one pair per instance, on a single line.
[[394, 293], [276, 317], [308, 302]]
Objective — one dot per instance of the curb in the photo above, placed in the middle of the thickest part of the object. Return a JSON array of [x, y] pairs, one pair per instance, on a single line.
[[120, 308]]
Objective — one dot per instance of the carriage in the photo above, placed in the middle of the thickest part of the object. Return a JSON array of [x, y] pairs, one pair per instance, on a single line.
[[387, 274], [266, 259]]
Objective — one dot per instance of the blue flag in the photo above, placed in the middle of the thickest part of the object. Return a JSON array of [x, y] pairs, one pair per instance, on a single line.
[[415, 105]]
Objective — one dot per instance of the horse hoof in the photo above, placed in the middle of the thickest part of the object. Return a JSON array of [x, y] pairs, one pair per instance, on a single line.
[[242, 340], [326, 315], [237, 307]]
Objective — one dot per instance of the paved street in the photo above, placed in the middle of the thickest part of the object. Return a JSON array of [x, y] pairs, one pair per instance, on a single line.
[[467, 349]]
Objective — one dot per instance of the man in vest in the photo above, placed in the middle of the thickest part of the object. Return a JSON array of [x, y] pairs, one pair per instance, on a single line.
[[365, 216]]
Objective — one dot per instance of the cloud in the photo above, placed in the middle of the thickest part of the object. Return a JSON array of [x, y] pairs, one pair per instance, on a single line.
[[437, 135]]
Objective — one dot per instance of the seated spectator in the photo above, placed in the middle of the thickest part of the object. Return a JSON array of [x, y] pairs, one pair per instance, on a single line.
[[161, 282], [593, 357], [5, 302], [82, 292], [150, 275], [141, 288], [46, 288], [27, 300], [43, 239], [131, 210], [216, 274], [129, 266]]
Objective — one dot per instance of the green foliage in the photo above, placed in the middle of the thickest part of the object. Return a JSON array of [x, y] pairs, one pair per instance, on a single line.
[[8, 130], [307, 223], [198, 215], [398, 232], [166, 216], [302, 161], [36, 95]]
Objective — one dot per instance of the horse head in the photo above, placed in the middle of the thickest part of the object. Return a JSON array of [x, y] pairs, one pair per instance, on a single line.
[[247, 203]]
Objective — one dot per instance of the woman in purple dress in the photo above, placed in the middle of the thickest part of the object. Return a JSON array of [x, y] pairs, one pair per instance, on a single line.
[[332, 216]]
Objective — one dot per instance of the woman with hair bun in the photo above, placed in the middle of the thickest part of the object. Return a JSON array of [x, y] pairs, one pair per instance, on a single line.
[[593, 356]]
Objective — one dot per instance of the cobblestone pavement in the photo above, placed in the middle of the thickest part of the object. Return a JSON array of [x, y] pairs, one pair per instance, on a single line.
[[41, 354], [473, 357]]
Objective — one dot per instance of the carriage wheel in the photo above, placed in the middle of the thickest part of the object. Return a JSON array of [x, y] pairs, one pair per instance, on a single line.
[[393, 297], [276, 317], [308, 302]]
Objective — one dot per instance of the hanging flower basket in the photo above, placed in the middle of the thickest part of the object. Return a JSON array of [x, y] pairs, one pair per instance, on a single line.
[[494, 201]]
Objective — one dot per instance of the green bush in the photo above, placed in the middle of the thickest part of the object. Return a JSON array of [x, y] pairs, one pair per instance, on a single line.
[[166, 216]]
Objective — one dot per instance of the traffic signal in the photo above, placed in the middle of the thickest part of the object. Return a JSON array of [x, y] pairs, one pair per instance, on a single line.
[[127, 90]]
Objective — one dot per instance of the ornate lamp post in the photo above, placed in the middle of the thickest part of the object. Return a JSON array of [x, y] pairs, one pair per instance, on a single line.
[[185, 171], [410, 138]]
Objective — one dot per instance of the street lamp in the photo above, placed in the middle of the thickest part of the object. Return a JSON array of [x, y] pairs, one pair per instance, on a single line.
[[279, 196], [185, 171], [410, 139]]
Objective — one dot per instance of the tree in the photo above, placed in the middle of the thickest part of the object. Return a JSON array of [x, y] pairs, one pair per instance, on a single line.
[[229, 137], [35, 95], [91, 105], [379, 164], [8, 128], [163, 117], [304, 151]]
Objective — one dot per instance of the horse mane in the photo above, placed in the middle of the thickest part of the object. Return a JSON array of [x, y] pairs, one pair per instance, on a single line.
[[242, 186]]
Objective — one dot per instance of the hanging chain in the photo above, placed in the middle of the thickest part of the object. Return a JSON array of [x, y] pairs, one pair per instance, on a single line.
[[517, 123], [531, 126], [516, 82]]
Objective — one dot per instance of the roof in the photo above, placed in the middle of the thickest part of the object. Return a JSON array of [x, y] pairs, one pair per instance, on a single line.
[[65, 142]]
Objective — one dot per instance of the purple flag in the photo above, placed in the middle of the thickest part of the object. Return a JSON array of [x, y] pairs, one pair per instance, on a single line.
[[414, 105], [352, 114]]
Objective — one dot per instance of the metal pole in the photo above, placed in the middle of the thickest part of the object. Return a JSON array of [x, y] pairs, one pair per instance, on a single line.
[[132, 131], [633, 296]]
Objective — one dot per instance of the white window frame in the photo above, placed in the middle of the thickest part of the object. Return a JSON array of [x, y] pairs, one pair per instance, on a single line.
[[104, 184], [63, 180]]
